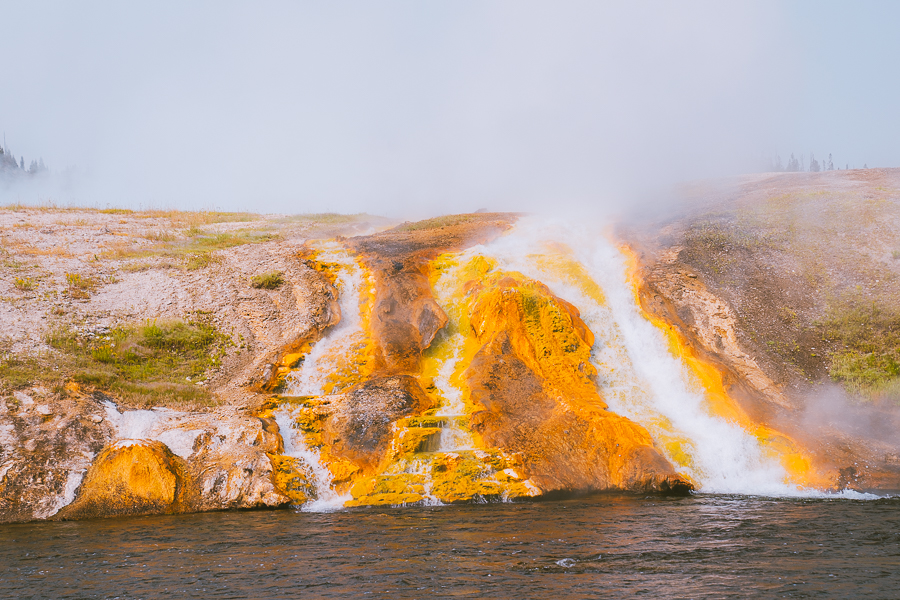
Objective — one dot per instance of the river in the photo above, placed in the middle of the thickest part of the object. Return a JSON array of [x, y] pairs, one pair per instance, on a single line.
[[703, 546]]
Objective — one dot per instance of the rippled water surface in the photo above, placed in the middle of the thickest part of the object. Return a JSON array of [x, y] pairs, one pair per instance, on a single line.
[[604, 546]]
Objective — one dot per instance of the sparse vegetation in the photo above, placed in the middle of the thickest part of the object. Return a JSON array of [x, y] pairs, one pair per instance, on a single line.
[[867, 356], [438, 222], [268, 281], [192, 252], [161, 236], [80, 287], [24, 284], [323, 218], [157, 363]]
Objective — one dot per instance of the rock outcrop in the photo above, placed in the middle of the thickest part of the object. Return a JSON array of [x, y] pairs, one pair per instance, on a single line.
[[442, 374], [538, 398]]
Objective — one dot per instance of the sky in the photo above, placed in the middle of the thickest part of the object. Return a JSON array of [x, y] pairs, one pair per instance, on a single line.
[[409, 108]]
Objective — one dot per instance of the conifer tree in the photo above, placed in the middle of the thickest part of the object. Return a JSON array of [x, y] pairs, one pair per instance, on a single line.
[[793, 164]]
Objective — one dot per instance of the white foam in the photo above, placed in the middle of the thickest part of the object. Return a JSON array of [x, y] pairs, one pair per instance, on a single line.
[[639, 377], [453, 437], [295, 446], [327, 354]]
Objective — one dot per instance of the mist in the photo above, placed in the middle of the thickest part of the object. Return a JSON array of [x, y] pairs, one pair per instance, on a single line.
[[414, 109]]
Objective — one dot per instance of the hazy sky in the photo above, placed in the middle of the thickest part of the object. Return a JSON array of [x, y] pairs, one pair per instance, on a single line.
[[417, 108]]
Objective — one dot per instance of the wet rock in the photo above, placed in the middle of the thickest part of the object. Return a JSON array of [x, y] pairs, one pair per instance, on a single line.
[[360, 425], [406, 317], [291, 478], [535, 386]]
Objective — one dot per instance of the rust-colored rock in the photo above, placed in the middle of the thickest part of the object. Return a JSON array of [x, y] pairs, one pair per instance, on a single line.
[[136, 479], [406, 317], [360, 426], [565, 447], [547, 333]]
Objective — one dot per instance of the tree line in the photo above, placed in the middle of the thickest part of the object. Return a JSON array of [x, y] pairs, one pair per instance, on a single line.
[[10, 166], [795, 164]]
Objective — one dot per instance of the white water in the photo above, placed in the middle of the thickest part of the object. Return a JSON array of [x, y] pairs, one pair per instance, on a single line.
[[453, 437], [294, 445], [328, 354], [639, 377]]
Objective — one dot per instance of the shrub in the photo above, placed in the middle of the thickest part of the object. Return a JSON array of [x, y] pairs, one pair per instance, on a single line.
[[80, 287], [24, 283], [268, 281]]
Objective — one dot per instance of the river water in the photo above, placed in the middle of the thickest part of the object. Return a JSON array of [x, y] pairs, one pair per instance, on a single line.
[[704, 546]]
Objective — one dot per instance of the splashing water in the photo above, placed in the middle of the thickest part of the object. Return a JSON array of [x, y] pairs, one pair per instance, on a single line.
[[327, 499], [639, 377], [331, 352]]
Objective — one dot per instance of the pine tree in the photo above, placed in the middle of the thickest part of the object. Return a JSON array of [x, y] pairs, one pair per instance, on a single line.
[[22, 162], [830, 165], [793, 164], [813, 163]]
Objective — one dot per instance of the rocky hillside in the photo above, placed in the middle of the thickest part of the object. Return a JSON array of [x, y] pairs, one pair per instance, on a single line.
[[172, 362], [790, 285]]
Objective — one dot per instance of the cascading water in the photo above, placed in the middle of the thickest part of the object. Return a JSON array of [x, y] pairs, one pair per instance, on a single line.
[[321, 478], [639, 377], [453, 437], [330, 354], [329, 357]]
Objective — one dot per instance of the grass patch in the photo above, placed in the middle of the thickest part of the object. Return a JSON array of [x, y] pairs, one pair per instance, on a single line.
[[438, 222], [195, 251], [153, 364], [268, 281], [80, 287], [867, 357], [23, 371], [24, 284], [161, 236], [184, 219]]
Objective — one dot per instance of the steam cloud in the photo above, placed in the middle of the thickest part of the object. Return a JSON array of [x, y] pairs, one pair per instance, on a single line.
[[398, 108]]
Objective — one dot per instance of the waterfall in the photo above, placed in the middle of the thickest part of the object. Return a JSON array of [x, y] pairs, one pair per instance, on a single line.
[[321, 478], [453, 437], [331, 353], [638, 376]]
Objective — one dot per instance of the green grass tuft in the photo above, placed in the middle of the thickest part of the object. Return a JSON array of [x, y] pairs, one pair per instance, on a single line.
[[867, 358], [24, 284], [268, 281], [156, 363]]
